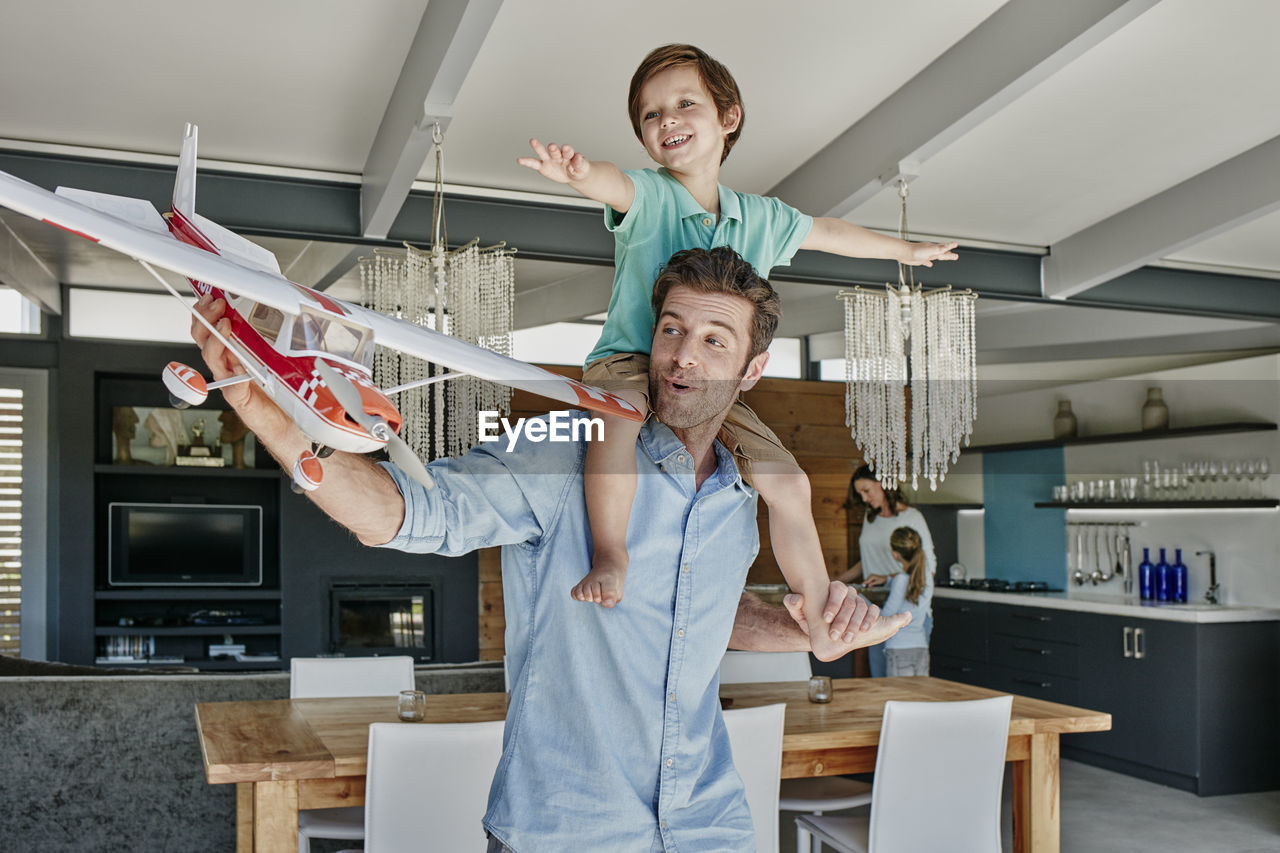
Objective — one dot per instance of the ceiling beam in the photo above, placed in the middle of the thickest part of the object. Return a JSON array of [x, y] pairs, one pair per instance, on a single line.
[[1227, 196], [300, 208], [26, 273], [1022, 44], [448, 39], [319, 265], [810, 315], [568, 299]]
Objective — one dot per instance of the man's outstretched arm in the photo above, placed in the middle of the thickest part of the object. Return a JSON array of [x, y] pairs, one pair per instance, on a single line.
[[356, 492], [851, 619]]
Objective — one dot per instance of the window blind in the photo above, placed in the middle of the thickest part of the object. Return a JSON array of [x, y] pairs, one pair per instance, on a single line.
[[11, 434]]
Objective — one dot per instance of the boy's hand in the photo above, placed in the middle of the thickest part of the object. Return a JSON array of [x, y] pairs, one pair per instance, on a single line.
[[559, 163], [924, 254]]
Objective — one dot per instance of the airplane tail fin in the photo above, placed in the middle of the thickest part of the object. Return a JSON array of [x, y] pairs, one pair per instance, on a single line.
[[184, 188]]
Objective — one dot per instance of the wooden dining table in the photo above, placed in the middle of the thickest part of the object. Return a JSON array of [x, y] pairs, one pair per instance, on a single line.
[[291, 754]]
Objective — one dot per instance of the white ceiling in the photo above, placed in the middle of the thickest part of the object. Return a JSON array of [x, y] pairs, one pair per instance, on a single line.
[[303, 84]]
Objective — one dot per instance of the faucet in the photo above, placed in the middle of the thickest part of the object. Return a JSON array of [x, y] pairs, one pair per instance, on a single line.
[[1211, 595]]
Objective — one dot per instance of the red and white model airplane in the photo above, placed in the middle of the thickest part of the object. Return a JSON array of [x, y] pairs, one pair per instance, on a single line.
[[311, 353]]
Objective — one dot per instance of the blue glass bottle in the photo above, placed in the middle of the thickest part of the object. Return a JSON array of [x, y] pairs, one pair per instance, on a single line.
[[1178, 578], [1162, 578], [1145, 570]]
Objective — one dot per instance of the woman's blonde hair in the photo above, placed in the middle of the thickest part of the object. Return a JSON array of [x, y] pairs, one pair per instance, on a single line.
[[906, 542]]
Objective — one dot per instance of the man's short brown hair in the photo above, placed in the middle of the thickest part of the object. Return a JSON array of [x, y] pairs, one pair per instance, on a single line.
[[717, 80], [722, 270]]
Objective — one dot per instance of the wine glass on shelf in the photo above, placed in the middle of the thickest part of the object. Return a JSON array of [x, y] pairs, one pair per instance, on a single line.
[[1237, 471], [1251, 472], [1214, 468], [1202, 474], [1264, 468]]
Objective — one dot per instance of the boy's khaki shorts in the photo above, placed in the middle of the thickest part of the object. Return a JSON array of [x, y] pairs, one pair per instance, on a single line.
[[743, 433]]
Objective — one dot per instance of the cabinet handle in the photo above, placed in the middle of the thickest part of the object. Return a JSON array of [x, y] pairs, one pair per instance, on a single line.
[[1035, 649], [1139, 644], [1033, 682], [1031, 618], [1128, 642]]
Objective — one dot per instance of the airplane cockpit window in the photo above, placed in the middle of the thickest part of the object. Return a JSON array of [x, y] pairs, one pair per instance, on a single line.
[[266, 321], [315, 332]]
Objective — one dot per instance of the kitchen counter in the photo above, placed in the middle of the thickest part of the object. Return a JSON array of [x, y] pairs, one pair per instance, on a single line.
[[1084, 602]]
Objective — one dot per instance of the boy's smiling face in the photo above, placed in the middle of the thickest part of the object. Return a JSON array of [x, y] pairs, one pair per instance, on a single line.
[[679, 124]]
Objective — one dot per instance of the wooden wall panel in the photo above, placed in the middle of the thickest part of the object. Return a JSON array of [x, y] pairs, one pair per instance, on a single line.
[[808, 418]]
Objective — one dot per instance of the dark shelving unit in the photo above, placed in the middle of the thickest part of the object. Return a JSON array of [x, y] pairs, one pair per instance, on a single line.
[[1262, 503], [1116, 437]]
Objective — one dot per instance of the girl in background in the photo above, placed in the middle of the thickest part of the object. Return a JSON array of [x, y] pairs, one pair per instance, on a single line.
[[910, 591]]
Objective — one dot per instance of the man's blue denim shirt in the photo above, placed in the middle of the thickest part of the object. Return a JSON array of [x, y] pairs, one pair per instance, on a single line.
[[614, 739]]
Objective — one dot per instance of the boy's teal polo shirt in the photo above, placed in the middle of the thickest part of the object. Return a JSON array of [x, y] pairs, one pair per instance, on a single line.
[[662, 220]]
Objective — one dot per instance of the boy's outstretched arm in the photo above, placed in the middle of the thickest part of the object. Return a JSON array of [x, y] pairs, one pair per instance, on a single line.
[[600, 181], [839, 237]]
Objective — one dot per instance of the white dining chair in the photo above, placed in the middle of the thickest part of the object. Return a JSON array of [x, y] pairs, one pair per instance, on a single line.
[[755, 736], [337, 678], [939, 775], [820, 793], [412, 803]]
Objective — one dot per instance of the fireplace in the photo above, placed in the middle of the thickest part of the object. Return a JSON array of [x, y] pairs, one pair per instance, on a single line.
[[384, 619]]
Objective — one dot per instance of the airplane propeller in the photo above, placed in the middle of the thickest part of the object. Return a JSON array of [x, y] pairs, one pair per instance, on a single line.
[[349, 398]]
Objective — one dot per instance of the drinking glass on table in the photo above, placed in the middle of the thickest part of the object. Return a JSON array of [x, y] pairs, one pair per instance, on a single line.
[[820, 689], [412, 706]]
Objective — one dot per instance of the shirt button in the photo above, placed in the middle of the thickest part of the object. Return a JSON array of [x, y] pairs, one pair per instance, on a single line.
[[685, 569], [670, 762], [680, 633], [680, 458], [706, 220], [671, 697], [664, 824]]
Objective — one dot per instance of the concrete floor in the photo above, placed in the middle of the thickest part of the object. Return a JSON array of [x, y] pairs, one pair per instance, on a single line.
[[1105, 812]]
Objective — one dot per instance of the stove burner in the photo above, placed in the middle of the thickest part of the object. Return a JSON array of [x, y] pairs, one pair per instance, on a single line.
[[1002, 585]]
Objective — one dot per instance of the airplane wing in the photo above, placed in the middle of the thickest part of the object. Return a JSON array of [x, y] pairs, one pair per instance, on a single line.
[[143, 243]]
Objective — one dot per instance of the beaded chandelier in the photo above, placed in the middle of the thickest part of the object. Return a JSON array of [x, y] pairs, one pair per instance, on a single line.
[[468, 293], [906, 335]]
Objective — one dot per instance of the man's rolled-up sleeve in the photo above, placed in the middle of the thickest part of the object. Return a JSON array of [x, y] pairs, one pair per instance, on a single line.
[[477, 502]]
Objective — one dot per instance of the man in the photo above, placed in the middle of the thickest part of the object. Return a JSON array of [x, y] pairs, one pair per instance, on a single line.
[[614, 739]]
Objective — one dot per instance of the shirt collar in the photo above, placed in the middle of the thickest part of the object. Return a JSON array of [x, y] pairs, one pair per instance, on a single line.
[[661, 445], [687, 207]]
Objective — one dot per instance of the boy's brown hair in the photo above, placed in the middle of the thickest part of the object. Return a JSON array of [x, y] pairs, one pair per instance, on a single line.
[[716, 79], [722, 270]]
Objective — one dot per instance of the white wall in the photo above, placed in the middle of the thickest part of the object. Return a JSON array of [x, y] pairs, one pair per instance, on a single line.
[[1247, 542]]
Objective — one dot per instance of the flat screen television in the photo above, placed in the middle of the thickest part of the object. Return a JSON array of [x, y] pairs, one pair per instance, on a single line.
[[152, 544]]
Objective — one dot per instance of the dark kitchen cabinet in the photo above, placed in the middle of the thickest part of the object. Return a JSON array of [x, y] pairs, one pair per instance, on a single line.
[[1193, 705]]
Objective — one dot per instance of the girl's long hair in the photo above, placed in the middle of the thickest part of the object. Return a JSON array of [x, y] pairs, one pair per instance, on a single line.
[[892, 496], [906, 542]]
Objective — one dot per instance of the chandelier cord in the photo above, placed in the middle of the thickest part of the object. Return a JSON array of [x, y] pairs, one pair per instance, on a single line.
[[468, 294]]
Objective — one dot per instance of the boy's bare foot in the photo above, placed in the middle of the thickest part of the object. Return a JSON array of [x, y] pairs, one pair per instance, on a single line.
[[603, 584], [827, 648]]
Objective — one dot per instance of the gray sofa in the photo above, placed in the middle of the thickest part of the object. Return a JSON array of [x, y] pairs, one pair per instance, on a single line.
[[111, 762]]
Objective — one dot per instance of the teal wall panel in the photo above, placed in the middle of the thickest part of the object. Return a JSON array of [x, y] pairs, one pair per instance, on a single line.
[[1024, 543]]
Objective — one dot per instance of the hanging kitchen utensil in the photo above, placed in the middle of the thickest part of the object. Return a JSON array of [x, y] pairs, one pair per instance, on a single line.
[[1096, 575], [1078, 575]]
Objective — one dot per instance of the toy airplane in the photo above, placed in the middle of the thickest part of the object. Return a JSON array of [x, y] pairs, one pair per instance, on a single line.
[[311, 353]]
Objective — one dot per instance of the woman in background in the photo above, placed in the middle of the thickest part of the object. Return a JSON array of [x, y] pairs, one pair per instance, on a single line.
[[877, 564], [910, 591]]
